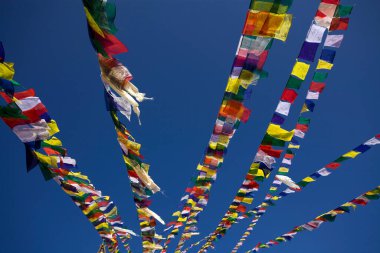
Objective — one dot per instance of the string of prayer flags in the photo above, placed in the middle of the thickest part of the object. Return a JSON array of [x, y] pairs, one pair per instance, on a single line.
[[247, 69], [323, 172], [329, 216], [26, 115], [303, 122], [275, 137], [117, 78], [316, 87], [270, 199], [245, 77], [143, 187]]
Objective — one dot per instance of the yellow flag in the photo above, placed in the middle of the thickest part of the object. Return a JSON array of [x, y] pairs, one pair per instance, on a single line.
[[308, 179], [6, 70], [283, 31], [233, 85], [191, 202], [78, 175], [256, 171], [351, 154], [54, 141], [294, 146], [144, 223], [212, 145], [223, 139], [195, 208], [180, 219], [210, 172], [300, 70], [92, 23], [304, 108], [234, 215], [247, 200], [283, 169], [90, 208], [50, 160], [53, 127], [324, 65], [102, 225], [277, 132]]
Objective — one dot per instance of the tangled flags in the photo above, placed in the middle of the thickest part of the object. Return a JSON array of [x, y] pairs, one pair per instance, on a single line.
[[329, 216], [100, 16], [122, 96], [247, 69], [28, 118]]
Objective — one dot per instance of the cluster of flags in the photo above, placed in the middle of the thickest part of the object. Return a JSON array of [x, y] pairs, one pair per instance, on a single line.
[[273, 143], [28, 118], [142, 185], [308, 51], [123, 96], [247, 69], [275, 138], [329, 216], [266, 20], [325, 171]]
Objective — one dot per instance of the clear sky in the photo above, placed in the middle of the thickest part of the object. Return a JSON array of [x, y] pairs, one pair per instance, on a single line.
[[181, 53]]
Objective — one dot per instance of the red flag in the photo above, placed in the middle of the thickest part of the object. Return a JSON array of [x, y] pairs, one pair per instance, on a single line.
[[317, 87], [289, 95], [339, 24]]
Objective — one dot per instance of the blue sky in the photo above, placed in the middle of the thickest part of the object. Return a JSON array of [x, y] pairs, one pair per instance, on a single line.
[[181, 53]]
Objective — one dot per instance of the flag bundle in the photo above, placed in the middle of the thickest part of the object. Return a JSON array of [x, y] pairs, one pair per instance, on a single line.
[[274, 140], [142, 185], [261, 209], [327, 170], [247, 69], [100, 16], [308, 51], [329, 216], [28, 118], [123, 96]]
